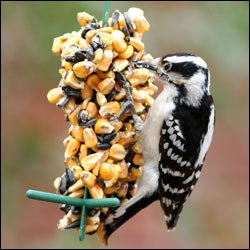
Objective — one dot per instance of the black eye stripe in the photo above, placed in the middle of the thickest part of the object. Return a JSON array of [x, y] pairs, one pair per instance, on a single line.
[[187, 69]]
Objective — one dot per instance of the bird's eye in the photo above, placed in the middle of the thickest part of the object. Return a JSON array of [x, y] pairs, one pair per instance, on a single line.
[[167, 66]]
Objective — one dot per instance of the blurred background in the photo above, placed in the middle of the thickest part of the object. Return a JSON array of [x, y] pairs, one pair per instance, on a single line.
[[216, 215]]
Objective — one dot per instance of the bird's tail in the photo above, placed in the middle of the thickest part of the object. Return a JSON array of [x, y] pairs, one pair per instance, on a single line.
[[124, 213]]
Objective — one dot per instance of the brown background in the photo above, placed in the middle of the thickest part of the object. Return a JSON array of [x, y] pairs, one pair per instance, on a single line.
[[216, 215]]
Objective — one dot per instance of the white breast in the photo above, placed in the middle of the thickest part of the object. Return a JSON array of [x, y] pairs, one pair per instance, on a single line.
[[160, 110], [149, 139]]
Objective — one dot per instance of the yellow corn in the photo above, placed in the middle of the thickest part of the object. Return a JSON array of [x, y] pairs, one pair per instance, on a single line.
[[98, 55], [106, 85], [88, 179], [57, 183], [118, 41], [93, 220], [83, 18], [100, 98], [76, 171], [117, 151], [91, 228], [92, 110], [54, 95], [66, 65], [122, 191], [83, 151], [90, 137], [127, 53], [135, 12], [112, 189], [56, 47], [90, 161], [141, 24], [84, 69], [138, 160], [104, 75], [86, 92], [76, 186], [103, 126], [73, 116], [77, 194], [73, 217], [72, 148], [136, 43], [96, 191], [72, 81], [76, 132], [106, 171], [120, 64], [109, 109], [83, 44], [137, 148], [72, 161], [93, 81], [104, 63]]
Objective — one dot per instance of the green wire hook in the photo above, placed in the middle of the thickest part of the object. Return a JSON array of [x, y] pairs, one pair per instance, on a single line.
[[105, 14]]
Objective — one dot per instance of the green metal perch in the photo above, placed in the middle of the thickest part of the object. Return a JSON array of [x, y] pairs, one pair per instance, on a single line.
[[80, 202]]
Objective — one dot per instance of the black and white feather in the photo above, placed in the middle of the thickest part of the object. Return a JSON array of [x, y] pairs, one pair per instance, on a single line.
[[175, 137]]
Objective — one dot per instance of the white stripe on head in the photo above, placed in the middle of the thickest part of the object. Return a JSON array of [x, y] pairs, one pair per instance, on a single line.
[[178, 59]]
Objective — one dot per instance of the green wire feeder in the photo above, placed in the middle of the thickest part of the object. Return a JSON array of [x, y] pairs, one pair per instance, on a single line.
[[80, 202]]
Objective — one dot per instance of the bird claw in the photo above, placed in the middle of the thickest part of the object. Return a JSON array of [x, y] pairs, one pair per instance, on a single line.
[[138, 123]]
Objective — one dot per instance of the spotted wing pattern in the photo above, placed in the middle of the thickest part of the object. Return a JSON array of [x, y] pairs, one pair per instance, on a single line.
[[179, 149]]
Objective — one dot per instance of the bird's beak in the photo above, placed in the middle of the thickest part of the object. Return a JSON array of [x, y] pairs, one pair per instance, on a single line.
[[153, 65]]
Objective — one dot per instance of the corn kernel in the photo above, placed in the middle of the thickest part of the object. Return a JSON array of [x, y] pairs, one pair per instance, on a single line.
[[77, 194], [141, 24], [72, 81], [76, 186], [54, 95], [76, 132], [83, 151], [127, 53], [88, 179], [135, 12], [92, 110], [105, 61], [56, 47], [83, 18], [106, 85], [137, 44], [86, 92], [96, 191], [109, 109], [120, 64], [90, 137], [103, 126], [72, 148], [90, 161], [138, 160], [100, 98], [84, 68], [118, 152], [76, 171]]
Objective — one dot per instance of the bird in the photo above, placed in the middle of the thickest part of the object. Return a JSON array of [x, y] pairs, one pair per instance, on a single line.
[[175, 137]]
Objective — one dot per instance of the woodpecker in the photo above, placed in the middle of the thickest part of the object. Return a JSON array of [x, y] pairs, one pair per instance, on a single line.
[[175, 137]]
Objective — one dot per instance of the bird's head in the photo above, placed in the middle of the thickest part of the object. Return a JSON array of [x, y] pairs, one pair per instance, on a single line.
[[185, 72]]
